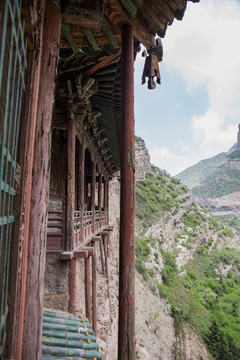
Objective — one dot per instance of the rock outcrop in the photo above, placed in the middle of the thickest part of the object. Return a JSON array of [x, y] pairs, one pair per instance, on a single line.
[[142, 159]]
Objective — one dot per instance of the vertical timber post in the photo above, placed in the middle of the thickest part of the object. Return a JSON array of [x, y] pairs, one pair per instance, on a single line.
[[94, 292], [126, 331], [106, 189], [72, 286], [32, 333], [93, 188], [88, 289], [71, 144], [100, 196], [81, 182]]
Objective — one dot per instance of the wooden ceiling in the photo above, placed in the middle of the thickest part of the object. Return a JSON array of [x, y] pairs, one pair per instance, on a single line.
[[90, 48], [96, 24]]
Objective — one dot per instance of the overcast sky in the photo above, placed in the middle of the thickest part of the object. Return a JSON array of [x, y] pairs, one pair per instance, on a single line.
[[194, 113]]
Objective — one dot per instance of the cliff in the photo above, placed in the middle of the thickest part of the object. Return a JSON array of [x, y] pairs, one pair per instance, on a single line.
[[177, 243]]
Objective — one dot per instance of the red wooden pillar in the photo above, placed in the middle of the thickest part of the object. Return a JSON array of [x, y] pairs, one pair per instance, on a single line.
[[15, 332], [30, 348], [100, 196], [93, 188], [88, 289], [71, 144], [81, 183], [126, 333], [72, 286], [94, 292], [106, 189]]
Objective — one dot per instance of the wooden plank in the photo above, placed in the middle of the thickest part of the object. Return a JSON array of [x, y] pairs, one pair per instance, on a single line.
[[91, 40], [107, 29], [67, 34]]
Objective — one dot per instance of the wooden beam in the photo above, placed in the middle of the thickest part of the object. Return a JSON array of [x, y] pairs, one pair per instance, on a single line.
[[164, 9], [107, 30], [156, 19], [118, 17], [91, 40], [130, 7], [67, 34], [81, 254], [66, 255], [90, 250]]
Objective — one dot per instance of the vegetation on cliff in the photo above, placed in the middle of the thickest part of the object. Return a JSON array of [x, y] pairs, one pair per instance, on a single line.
[[203, 291], [196, 174]]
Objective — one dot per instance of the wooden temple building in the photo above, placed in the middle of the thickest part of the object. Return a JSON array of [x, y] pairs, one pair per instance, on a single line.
[[66, 126]]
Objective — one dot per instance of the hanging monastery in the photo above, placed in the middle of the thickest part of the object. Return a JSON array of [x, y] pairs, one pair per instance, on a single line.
[[67, 127]]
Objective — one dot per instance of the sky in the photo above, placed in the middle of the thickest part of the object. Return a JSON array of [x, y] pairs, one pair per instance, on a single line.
[[195, 112]]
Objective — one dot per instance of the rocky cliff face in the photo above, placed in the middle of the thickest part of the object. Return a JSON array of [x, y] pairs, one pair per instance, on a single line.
[[156, 335], [142, 159], [155, 332]]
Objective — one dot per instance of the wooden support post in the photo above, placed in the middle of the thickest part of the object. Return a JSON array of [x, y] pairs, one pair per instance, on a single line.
[[93, 188], [105, 236], [71, 144], [108, 244], [100, 196], [30, 347], [101, 255], [106, 187], [88, 289], [81, 183], [72, 286], [126, 333], [94, 292], [106, 259]]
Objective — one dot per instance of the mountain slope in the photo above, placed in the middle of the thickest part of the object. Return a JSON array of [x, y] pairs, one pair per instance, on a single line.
[[197, 174], [191, 262]]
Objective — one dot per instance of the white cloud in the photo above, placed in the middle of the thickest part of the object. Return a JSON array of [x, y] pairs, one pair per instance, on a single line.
[[210, 135], [204, 50], [165, 159]]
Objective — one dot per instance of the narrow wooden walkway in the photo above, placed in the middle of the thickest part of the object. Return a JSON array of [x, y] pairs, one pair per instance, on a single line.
[[68, 337]]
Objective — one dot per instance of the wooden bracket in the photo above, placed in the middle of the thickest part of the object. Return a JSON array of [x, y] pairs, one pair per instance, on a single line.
[[66, 255], [81, 254], [89, 250]]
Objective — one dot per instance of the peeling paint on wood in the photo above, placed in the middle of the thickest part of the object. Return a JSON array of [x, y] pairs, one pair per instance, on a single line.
[[40, 185], [126, 335]]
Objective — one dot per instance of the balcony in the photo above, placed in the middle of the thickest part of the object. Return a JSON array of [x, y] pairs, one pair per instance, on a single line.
[[89, 226]]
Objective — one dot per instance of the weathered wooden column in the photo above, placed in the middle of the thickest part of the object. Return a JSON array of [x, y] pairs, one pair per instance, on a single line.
[[71, 144], [88, 289], [93, 188], [71, 157], [81, 183], [94, 292], [32, 332], [72, 286], [100, 196], [106, 189], [126, 334]]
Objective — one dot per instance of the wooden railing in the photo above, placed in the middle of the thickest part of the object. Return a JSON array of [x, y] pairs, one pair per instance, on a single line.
[[89, 225]]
